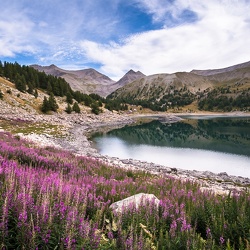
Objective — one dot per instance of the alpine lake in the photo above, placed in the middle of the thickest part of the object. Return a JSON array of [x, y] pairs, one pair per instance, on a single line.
[[203, 143]]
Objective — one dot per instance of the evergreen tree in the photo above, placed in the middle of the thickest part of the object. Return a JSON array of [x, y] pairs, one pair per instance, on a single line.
[[30, 88], [45, 106], [20, 83], [52, 103], [76, 108], [68, 109], [49, 88], [95, 108], [69, 98]]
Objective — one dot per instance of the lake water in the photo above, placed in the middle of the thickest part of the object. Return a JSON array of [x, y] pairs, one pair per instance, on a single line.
[[196, 143]]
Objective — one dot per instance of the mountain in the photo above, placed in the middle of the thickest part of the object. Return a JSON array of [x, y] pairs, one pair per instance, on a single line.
[[89, 80], [158, 85], [210, 72], [86, 80], [130, 76], [161, 91]]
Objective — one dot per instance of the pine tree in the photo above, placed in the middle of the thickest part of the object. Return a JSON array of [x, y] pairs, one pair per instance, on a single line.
[[20, 83], [68, 109], [45, 106], [52, 103], [95, 108], [30, 88], [76, 108], [69, 98]]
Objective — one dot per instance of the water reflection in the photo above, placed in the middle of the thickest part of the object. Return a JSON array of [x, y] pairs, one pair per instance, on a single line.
[[229, 135]]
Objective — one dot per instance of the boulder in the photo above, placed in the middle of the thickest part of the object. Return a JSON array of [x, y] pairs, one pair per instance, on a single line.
[[135, 201]]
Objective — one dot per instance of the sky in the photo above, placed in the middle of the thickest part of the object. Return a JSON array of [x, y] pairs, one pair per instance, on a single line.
[[114, 36]]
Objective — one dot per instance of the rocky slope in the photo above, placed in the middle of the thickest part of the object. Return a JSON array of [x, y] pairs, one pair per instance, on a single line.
[[86, 80], [210, 72], [89, 80], [171, 88]]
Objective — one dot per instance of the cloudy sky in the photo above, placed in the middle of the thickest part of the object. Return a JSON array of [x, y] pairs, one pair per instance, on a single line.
[[114, 36]]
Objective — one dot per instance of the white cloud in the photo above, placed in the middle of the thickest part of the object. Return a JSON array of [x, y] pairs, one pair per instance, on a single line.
[[219, 38], [69, 32], [14, 33]]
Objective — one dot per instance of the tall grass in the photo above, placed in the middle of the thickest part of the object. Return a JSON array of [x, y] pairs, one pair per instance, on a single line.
[[52, 199]]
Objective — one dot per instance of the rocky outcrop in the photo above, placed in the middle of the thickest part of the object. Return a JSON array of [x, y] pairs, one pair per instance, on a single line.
[[135, 201]]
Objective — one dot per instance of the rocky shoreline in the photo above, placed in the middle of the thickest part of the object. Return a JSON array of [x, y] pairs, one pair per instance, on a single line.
[[77, 128]]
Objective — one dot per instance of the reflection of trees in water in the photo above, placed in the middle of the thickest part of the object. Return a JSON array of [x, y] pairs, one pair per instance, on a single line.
[[154, 133], [226, 135], [226, 129]]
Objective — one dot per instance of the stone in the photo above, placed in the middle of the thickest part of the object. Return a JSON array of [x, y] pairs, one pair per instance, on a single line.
[[135, 201]]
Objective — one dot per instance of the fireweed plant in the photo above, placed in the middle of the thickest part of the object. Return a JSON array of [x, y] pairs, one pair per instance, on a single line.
[[52, 199]]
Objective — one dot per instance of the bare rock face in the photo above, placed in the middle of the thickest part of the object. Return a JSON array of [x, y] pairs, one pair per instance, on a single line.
[[135, 201]]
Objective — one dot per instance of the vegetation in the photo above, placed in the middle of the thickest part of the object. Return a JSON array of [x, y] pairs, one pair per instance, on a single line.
[[68, 109], [1, 94], [28, 79], [52, 199], [49, 104], [76, 108], [155, 100], [225, 99]]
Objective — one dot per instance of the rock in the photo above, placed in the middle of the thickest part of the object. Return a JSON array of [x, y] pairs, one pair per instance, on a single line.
[[135, 201]]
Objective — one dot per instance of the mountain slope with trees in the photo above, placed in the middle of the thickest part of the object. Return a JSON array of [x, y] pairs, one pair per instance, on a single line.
[[214, 90]]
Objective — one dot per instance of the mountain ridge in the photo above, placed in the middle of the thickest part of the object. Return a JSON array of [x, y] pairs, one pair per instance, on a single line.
[[137, 86]]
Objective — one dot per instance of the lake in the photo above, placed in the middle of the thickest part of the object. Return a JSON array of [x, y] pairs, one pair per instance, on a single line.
[[220, 144]]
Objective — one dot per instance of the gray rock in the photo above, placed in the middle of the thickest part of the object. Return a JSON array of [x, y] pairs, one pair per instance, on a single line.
[[135, 201]]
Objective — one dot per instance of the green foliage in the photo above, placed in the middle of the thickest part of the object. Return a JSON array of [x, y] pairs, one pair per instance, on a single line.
[[25, 75], [76, 108], [68, 109], [53, 199], [115, 105], [69, 98], [49, 104], [52, 103], [219, 99], [20, 83], [171, 99], [95, 108], [45, 106]]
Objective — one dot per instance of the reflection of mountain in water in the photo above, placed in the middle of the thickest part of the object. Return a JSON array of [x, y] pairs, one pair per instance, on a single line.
[[220, 134]]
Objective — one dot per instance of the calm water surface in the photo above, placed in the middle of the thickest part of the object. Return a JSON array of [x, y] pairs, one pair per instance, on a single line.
[[196, 143]]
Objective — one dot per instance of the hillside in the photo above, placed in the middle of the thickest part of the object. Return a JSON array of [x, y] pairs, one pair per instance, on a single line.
[[171, 91], [86, 80], [89, 80], [210, 72], [16, 102]]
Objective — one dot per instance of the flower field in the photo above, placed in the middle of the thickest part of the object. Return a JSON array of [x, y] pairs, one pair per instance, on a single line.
[[52, 199]]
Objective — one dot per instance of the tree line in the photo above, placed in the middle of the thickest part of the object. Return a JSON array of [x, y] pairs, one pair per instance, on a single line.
[[28, 79], [217, 100]]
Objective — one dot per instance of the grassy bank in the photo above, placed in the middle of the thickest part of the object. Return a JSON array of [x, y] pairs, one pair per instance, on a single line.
[[52, 199]]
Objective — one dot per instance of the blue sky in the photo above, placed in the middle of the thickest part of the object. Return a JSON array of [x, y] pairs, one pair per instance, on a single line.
[[114, 36]]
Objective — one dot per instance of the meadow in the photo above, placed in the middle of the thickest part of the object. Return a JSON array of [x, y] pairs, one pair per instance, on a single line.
[[53, 199]]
